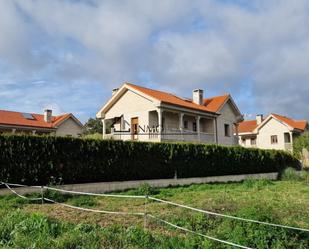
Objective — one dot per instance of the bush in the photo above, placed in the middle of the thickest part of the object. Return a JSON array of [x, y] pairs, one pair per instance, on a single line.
[[145, 189], [291, 174], [41, 160], [300, 143]]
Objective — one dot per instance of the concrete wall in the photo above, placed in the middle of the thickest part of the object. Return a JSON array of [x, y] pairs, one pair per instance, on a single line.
[[104, 187], [171, 120], [69, 127], [207, 125], [228, 116]]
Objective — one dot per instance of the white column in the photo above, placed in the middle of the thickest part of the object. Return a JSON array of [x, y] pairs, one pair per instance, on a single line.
[[13, 131], [181, 124], [291, 139], [160, 124], [33, 132], [215, 131], [235, 133], [104, 128], [198, 127]]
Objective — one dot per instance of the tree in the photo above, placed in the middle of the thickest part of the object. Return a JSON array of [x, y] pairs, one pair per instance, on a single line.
[[92, 126]]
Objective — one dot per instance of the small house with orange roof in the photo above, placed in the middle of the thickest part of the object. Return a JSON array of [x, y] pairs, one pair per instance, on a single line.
[[138, 113], [273, 132], [40, 124]]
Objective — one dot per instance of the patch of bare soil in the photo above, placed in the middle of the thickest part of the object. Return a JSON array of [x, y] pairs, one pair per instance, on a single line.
[[61, 213]]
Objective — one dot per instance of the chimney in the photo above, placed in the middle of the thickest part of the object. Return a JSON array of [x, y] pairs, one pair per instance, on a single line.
[[114, 91], [48, 115], [198, 96], [259, 118]]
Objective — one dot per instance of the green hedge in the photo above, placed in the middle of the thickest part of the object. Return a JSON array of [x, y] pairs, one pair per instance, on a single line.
[[38, 160]]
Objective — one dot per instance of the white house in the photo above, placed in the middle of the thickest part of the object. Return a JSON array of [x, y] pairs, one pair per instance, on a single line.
[[272, 132], [139, 113], [40, 124]]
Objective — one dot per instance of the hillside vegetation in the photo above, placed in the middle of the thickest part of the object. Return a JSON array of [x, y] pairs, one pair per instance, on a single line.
[[29, 225]]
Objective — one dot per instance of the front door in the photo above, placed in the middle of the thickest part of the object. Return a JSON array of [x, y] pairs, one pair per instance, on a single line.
[[134, 128]]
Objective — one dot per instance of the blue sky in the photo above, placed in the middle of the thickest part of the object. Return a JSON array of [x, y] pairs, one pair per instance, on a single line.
[[69, 54]]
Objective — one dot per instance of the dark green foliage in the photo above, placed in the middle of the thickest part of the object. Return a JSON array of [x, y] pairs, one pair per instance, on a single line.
[[144, 189], [301, 142], [92, 126], [41, 160]]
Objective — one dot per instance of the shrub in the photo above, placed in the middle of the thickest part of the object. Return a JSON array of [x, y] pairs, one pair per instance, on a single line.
[[291, 174], [145, 189], [41, 160], [299, 143]]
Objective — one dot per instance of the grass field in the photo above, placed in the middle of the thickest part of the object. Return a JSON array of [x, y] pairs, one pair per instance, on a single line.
[[28, 225]]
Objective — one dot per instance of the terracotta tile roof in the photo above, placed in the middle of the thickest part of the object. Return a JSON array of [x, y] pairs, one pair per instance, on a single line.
[[17, 118], [215, 103], [250, 125], [247, 126], [296, 124], [210, 105]]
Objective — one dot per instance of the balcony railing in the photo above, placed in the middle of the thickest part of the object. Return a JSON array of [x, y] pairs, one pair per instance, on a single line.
[[167, 135], [187, 136]]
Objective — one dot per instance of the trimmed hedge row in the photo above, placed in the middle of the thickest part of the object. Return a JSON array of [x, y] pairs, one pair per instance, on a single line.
[[38, 160]]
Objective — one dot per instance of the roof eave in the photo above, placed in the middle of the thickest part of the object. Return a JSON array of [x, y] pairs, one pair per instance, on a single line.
[[184, 108], [5, 125]]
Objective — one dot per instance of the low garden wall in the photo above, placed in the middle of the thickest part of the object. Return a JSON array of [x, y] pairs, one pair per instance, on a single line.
[[105, 187], [38, 160]]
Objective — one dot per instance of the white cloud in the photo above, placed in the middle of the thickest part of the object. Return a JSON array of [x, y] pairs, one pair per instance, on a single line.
[[177, 44]]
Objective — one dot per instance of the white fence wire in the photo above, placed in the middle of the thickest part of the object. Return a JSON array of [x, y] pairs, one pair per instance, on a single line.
[[94, 194], [21, 196], [228, 216], [145, 214], [93, 210], [197, 233]]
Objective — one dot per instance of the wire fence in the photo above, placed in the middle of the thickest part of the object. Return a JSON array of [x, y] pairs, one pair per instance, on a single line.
[[144, 214]]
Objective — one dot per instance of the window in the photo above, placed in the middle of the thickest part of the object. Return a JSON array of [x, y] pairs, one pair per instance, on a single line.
[[243, 140], [227, 132], [194, 126], [274, 139], [287, 138], [185, 124], [253, 141]]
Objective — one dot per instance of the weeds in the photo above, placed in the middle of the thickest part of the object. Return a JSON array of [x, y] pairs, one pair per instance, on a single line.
[[275, 202], [291, 174]]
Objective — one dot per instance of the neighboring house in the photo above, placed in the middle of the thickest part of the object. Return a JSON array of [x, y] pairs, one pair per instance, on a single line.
[[272, 132], [31, 123], [139, 113]]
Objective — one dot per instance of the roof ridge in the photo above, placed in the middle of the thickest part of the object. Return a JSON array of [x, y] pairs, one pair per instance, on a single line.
[[218, 96], [174, 99], [34, 113], [173, 94]]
